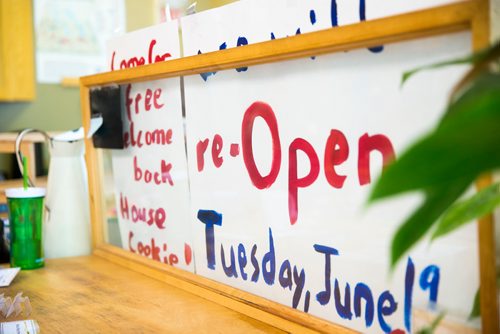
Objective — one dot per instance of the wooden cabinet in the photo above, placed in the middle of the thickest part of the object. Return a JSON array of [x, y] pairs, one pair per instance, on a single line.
[[17, 67]]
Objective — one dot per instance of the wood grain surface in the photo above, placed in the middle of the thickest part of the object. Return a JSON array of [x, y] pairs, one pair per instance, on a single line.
[[92, 295]]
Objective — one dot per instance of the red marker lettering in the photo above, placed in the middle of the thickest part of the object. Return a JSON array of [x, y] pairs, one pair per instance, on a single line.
[[139, 60], [367, 144], [156, 97], [336, 152], [264, 110], [201, 147], [294, 182], [216, 150]]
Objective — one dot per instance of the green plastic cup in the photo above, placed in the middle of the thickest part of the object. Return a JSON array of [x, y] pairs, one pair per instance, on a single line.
[[25, 216]]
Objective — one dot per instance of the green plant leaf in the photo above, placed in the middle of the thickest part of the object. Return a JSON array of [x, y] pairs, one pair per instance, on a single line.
[[445, 162], [481, 57], [436, 201], [476, 307], [465, 211], [465, 144], [460, 61]]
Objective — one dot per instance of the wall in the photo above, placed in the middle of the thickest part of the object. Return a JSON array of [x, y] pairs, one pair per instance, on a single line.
[[207, 4], [54, 108], [140, 13], [58, 108]]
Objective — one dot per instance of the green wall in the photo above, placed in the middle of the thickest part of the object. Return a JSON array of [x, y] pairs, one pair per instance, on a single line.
[[55, 108]]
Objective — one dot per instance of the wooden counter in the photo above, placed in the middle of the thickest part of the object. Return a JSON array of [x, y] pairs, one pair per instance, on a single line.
[[92, 295]]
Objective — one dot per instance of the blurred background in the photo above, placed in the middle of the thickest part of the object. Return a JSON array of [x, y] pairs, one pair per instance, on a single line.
[[63, 39]]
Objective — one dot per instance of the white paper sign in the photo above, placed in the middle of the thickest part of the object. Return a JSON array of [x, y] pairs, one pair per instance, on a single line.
[[7, 275], [282, 157], [281, 161], [150, 174], [252, 21], [145, 46]]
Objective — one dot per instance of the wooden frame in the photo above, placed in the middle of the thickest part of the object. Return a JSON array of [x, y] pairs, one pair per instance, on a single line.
[[470, 15]]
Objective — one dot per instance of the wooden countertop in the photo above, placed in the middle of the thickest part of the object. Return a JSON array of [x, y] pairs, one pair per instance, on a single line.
[[92, 295]]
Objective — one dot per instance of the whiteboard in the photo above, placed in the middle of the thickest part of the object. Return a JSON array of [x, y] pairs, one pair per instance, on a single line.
[[246, 233], [292, 226]]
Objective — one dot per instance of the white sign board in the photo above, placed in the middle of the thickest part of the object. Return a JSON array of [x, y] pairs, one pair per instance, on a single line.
[[281, 159], [281, 162], [252, 21]]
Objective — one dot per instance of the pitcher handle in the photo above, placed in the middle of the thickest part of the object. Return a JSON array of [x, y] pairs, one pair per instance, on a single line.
[[19, 154]]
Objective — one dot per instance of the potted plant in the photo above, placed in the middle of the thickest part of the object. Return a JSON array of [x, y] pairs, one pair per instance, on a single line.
[[464, 145]]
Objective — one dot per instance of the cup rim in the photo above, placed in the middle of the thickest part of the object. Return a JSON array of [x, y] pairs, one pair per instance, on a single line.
[[31, 192]]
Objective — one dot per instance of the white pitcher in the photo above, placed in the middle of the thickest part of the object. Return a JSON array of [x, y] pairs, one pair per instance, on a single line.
[[66, 228]]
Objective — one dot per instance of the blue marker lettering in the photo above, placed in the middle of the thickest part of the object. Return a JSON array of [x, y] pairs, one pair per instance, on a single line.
[[307, 301], [312, 16], [333, 13], [285, 276], [382, 309], [362, 17], [269, 258], [241, 41], [205, 75], [343, 310], [429, 280], [242, 260], [323, 297], [230, 270], [210, 218], [409, 280], [300, 281], [255, 263], [362, 291]]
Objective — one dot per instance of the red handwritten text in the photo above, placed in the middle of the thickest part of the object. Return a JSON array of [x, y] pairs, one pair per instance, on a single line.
[[139, 61], [151, 249], [157, 177], [336, 153], [152, 100], [137, 214]]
